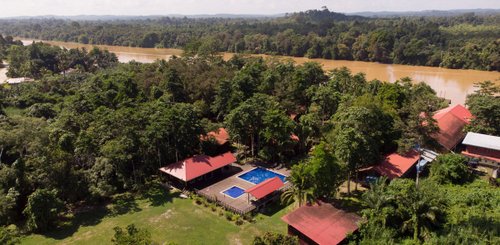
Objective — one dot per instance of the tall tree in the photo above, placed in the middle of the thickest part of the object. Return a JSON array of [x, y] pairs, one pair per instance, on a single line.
[[486, 109], [172, 83], [259, 122], [325, 171], [417, 124], [42, 210], [355, 138]]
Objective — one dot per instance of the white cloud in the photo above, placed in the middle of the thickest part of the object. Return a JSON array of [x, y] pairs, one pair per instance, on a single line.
[[158, 7]]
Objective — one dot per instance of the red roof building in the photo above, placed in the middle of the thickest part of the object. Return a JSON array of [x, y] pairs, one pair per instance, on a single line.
[[265, 187], [451, 122], [221, 136], [321, 224], [197, 166], [458, 110], [396, 166]]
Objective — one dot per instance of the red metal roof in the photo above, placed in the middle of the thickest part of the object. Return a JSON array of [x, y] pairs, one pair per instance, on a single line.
[[450, 130], [451, 122], [265, 187], [458, 110], [395, 165], [322, 223], [197, 166], [221, 136]]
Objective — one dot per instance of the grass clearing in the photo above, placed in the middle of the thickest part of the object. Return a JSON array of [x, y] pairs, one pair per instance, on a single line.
[[13, 111], [168, 218]]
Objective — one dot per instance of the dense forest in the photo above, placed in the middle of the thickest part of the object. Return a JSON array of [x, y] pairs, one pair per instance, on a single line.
[[466, 41], [5, 44], [91, 128]]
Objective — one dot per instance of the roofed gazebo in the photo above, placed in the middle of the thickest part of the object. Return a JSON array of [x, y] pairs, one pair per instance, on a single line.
[[264, 188]]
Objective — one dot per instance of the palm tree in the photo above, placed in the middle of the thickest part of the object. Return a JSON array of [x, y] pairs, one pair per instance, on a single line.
[[295, 193], [424, 206], [300, 192], [419, 208], [377, 200]]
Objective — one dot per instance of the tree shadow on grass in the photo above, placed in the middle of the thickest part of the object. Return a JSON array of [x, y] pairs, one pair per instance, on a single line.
[[350, 203], [92, 216], [157, 194], [70, 225], [273, 208], [122, 204]]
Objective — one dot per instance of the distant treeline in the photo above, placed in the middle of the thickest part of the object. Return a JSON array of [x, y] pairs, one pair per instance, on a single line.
[[467, 41]]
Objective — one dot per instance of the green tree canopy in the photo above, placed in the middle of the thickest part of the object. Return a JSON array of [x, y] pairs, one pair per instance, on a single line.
[[355, 138], [260, 124], [486, 110], [450, 168], [42, 210], [131, 236]]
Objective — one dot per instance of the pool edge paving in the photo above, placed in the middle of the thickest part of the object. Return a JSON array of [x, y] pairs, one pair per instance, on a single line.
[[260, 180]]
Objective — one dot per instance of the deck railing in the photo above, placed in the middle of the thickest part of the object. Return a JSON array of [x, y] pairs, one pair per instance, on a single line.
[[225, 205], [255, 204]]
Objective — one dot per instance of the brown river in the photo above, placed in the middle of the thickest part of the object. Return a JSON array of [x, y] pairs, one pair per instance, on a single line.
[[448, 83]]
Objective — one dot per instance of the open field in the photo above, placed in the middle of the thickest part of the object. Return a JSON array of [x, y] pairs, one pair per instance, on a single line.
[[168, 218]]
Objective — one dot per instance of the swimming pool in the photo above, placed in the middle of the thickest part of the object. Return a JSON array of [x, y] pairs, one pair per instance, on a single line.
[[234, 192], [259, 174]]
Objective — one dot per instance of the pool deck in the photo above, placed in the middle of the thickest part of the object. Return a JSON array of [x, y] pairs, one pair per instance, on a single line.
[[242, 203]]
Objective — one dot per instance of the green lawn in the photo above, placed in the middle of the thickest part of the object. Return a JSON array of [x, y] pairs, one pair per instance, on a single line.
[[168, 218]]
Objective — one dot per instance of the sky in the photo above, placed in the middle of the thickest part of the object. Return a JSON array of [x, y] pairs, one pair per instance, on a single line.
[[9, 8]]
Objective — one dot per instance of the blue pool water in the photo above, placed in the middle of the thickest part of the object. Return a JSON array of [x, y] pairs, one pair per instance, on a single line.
[[234, 192], [258, 175]]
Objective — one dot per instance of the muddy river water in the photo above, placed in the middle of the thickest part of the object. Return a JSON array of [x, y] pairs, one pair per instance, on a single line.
[[452, 84]]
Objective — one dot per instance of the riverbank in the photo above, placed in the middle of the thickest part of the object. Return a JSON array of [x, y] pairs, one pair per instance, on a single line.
[[125, 54], [453, 84]]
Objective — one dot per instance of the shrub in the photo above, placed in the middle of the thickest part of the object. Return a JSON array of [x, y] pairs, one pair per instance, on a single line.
[[131, 235], [248, 217], [9, 235], [229, 215], [236, 217], [239, 221], [192, 195], [450, 168], [198, 200], [213, 207], [270, 238]]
